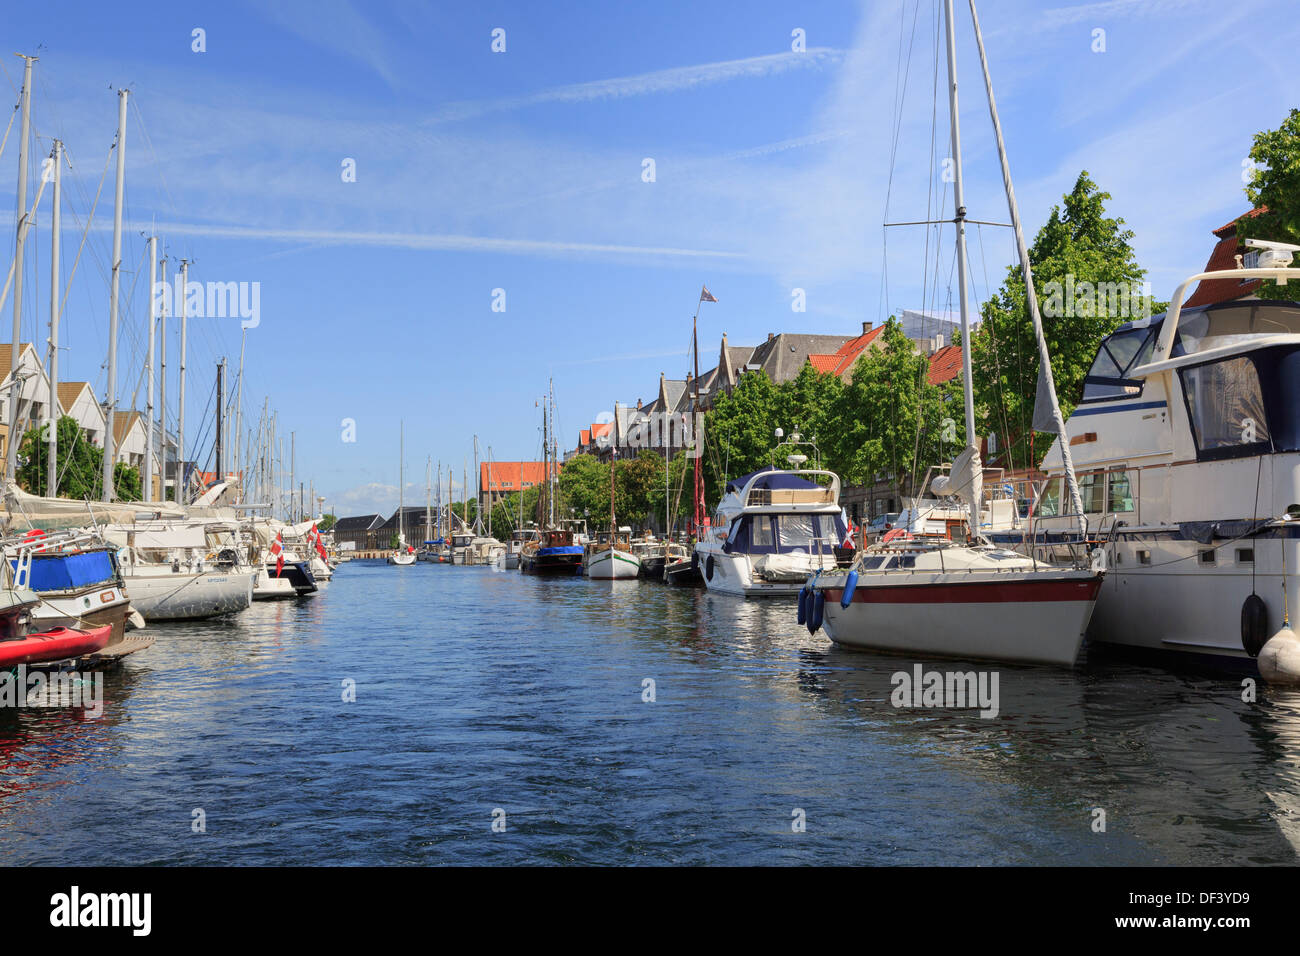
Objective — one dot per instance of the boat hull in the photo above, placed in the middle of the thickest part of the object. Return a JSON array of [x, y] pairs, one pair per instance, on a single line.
[[612, 564], [181, 597], [1038, 619]]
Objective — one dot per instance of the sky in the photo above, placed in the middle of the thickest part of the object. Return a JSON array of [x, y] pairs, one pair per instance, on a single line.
[[781, 142]]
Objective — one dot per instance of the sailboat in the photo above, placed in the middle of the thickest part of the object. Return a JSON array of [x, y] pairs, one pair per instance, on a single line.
[[682, 565], [552, 550], [404, 554], [610, 557], [959, 595]]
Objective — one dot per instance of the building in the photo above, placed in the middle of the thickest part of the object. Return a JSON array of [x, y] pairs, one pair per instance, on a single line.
[[358, 533], [129, 439], [33, 395], [416, 524], [1224, 256], [497, 479], [77, 400]]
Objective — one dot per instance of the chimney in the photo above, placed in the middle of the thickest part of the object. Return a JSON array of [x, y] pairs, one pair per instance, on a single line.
[[866, 327], [638, 403], [770, 336]]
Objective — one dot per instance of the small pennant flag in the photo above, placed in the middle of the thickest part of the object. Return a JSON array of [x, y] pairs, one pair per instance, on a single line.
[[277, 552], [706, 295], [314, 539]]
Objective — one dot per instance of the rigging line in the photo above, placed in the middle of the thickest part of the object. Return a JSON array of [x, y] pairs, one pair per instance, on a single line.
[[997, 355], [899, 99], [86, 232]]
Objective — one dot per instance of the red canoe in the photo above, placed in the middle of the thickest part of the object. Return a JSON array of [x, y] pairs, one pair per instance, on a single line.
[[57, 644]]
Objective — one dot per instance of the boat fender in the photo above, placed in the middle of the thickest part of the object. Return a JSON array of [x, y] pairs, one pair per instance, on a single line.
[[1254, 625], [818, 609], [708, 568], [850, 585], [1279, 658], [802, 616]]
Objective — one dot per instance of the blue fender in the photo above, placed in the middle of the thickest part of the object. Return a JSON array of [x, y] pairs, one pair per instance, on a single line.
[[850, 585], [818, 609], [802, 615]]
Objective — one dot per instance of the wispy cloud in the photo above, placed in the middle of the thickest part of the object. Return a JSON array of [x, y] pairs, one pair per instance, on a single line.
[[672, 80], [336, 26], [1093, 12]]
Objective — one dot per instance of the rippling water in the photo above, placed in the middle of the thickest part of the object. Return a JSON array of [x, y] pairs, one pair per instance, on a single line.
[[479, 691]]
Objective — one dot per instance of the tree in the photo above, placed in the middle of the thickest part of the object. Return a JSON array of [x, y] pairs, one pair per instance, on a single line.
[[584, 487], [80, 465], [1088, 282], [636, 481], [1274, 189], [891, 420], [327, 522]]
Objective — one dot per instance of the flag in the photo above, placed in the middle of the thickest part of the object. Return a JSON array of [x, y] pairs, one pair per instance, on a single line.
[[706, 295], [277, 552], [314, 539]]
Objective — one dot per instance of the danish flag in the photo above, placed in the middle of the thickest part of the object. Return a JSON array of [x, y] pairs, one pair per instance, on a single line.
[[277, 552], [313, 538]]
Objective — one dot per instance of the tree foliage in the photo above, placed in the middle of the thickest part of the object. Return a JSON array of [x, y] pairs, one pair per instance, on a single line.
[[1086, 275], [79, 466], [1275, 184]]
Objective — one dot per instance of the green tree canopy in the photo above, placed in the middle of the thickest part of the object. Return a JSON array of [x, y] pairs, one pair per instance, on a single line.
[[79, 466], [1088, 282], [1275, 184]]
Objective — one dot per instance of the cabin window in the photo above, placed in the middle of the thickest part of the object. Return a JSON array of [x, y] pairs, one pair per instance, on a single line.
[[1225, 404], [1144, 556], [760, 530], [1122, 499], [1245, 555], [1092, 489], [796, 531], [1207, 556], [1049, 502], [1116, 358]]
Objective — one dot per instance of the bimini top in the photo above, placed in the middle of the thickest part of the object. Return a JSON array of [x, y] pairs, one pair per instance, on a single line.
[[775, 479]]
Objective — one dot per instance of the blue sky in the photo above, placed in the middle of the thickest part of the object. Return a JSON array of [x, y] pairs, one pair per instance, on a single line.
[[522, 171]]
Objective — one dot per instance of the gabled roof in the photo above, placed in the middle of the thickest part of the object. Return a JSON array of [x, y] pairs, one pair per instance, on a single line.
[[70, 392], [7, 355], [358, 523], [123, 422], [945, 365], [1224, 256], [584, 437], [841, 361], [783, 355]]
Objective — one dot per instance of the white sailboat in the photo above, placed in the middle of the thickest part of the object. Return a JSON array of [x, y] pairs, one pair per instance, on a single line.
[[404, 555], [937, 595]]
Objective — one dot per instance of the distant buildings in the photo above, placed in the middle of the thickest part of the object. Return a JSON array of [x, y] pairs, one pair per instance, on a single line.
[[497, 479]]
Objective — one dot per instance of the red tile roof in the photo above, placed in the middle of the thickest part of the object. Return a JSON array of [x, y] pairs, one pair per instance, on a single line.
[[510, 475], [847, 355], [1224, 256], [599, 430], [945, 365], [584, 438]]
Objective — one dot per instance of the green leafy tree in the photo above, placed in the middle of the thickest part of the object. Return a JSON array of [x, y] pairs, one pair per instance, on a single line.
[[79, 466], [638, 484], [1088, 282], [584, 488], [327, 522], [892, 422], [1274, 188]]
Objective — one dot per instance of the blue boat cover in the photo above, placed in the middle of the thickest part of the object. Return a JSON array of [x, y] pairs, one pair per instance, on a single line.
[[779, 479], [64, 572]]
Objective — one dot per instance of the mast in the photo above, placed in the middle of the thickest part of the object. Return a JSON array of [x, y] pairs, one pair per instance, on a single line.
[[546, 461], [179, 478], [162, 383], [698, 506], [1044, 358], [15, 385], [149, 360], [221, 368], [239, 416], [401, 482], [115, 282], [52, 364], [428, 500], [968, 391]]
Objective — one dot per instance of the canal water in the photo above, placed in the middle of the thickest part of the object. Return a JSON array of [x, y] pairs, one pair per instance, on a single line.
[[623, 723]]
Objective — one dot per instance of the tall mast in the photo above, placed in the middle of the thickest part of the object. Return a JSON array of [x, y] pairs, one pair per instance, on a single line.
[[15, 384], [52, 364], [148, 395], [401, 482], [115, 282], [221, 397], [959, 202], [239, 416], [293, 477], [428, 499], [698, 504], [181, 489], [546, 460], [162, 382], [1044, 357]]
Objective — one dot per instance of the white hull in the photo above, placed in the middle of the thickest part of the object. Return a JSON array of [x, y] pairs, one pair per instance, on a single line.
[[613, 565], [1035, 618], [736, 574], [401, 560], [167, 596], [267, 587]]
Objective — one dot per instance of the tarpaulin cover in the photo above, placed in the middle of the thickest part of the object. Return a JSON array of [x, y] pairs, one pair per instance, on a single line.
[[778, 479], [63, 572]]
